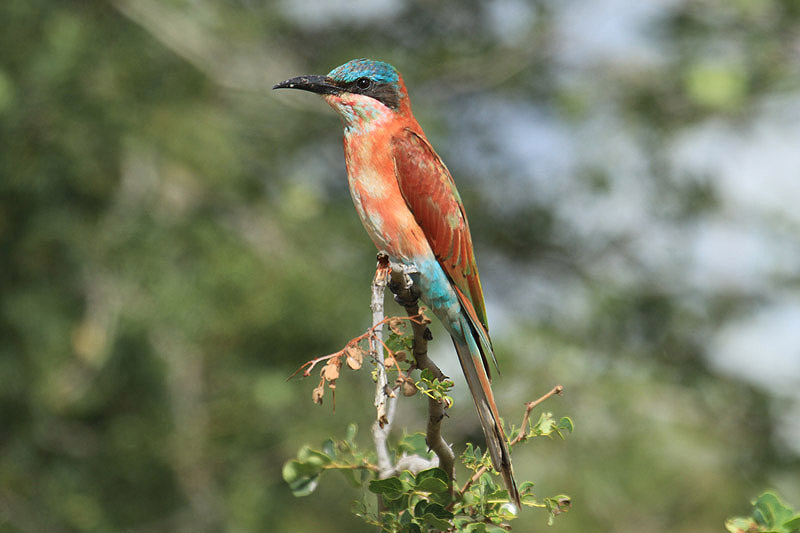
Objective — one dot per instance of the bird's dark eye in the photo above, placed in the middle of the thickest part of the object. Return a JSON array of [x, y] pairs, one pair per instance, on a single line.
[[363, 83]]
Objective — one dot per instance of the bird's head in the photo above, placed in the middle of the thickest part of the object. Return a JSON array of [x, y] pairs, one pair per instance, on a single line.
[[362, 91]]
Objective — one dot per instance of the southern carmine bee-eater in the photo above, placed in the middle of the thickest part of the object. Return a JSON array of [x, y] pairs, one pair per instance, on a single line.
[[410, 207]]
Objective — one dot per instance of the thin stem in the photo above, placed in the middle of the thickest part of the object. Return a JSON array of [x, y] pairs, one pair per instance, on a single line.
[[522, 435]]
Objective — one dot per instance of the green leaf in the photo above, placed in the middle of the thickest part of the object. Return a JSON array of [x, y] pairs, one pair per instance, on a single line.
[[499, 495], [438, 511], [426, 375], [557, 505], [313, 457], [770, 514], [397, 342], [566, 424], [412, 528], [329, 448], [771, 511], [390, 488], [793, 524], [350, 434], [478, 453], [482, 527], [294, 469], [433, 480], [487, 481], [469, 454], [414, 444], [545, 425], [302, 478], [433, 515]]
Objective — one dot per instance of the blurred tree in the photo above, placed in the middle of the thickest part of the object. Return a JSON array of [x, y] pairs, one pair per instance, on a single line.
[[174, 242]]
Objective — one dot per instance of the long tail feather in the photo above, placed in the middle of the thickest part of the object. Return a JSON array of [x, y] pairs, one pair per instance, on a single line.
[[471, 355]]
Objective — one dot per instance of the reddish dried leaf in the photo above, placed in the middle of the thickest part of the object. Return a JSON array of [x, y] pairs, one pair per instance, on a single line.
[[389, 362]]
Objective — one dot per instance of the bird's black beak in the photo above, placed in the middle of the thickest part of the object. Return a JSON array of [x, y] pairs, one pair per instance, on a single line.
[[315, 84]]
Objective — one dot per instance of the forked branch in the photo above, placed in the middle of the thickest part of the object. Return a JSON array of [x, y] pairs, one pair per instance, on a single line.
[[522, 435]]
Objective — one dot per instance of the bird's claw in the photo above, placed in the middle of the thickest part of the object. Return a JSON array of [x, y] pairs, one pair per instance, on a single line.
[[402, 284]]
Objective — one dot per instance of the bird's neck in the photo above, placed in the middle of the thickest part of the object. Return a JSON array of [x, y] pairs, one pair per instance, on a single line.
[[363, 115]]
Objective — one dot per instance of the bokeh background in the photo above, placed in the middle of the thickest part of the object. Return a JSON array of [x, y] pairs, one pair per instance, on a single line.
[[176, 239]]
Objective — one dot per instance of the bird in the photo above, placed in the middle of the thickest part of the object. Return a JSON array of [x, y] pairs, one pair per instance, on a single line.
[[409, 205]]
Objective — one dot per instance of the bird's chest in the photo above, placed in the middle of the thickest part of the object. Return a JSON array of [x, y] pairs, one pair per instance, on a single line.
[[378, 199]]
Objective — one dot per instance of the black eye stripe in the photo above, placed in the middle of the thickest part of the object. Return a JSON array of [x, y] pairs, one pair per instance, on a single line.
[[385, 93]]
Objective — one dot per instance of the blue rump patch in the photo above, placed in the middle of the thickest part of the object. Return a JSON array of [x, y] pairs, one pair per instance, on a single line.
[[360, 68]]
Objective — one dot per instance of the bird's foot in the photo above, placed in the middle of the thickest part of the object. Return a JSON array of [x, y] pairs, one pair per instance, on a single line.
[[402, 284]]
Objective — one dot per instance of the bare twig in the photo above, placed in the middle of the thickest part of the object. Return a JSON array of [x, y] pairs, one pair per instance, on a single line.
[[384, 400], [529, 406], [522, 435], [376, 343]]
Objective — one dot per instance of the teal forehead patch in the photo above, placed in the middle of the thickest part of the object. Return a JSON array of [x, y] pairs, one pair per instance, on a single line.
[[360, 68]]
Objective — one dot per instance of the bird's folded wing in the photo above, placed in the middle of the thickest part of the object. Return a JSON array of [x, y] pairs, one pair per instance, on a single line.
[[431, 195]]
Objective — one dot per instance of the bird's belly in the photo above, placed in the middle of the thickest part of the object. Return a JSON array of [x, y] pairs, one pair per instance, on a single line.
[[394, 230], [381, 207]]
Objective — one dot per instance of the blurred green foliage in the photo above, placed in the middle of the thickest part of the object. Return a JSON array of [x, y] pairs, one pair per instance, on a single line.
[[175, 240]]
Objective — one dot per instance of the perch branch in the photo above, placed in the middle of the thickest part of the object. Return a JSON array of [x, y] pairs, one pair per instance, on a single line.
[[407, 295]]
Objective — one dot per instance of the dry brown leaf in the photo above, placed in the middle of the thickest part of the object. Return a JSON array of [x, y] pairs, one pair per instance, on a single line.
[[317, 394], [396, 325], [422, 318], [400, 355], [389, 362], [330, 371], [409, 388], [355, 356]]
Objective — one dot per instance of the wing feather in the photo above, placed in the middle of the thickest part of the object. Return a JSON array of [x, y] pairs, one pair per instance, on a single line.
[[431, 195]]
